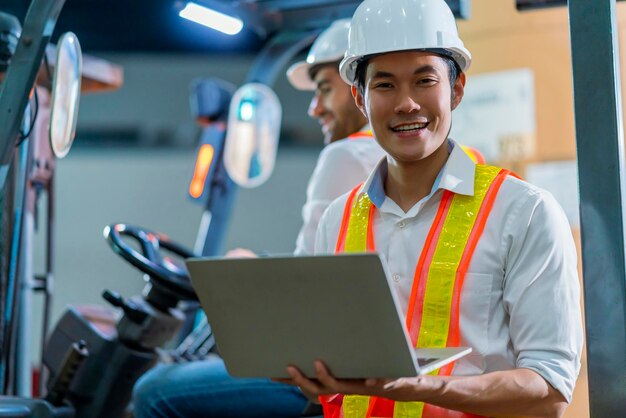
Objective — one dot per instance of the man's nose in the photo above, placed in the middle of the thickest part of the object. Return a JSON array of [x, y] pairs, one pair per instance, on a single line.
[[407, 104], [316, 109]]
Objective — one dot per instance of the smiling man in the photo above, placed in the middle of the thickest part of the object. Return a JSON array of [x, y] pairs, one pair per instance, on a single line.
[[332, 104], [350, 152], [478, 257]]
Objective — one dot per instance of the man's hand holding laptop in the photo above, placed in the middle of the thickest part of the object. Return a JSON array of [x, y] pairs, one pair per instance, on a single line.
[[424, 387]]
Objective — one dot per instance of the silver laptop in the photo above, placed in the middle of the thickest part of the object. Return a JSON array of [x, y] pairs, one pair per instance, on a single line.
[[267, 313]]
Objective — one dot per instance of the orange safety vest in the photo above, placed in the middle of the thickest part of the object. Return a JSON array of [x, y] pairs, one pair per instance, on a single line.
[[434, 305], [361, 134], [474, 154]]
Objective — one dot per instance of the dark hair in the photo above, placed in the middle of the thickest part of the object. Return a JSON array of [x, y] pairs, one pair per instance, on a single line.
[[317, 67], [361, 69]]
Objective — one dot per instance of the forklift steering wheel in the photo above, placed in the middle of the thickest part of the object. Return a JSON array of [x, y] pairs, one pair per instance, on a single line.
[[163, 271]]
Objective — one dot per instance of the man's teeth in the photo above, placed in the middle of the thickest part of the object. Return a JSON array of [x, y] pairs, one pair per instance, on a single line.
[[410, 127]]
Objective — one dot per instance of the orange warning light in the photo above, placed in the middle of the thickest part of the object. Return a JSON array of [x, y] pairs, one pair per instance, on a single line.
[[203, 164]]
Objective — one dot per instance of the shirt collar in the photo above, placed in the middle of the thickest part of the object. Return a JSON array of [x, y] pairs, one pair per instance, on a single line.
[[459, 171], [457, 176]]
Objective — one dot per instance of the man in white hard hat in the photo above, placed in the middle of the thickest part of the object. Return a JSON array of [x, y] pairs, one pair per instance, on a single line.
[[203, 388], [351, 153], [478, 257]]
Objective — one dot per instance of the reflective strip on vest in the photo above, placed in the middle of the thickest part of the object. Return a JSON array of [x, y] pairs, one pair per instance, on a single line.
[[434, 306]]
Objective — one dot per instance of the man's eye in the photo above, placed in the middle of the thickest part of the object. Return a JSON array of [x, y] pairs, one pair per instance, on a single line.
[[383, 85], [427, 81]]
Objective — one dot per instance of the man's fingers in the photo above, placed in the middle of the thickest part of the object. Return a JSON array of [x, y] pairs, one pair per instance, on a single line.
[[305, 384], [345, 386], [326, 378], [402, 384], [326, 384]]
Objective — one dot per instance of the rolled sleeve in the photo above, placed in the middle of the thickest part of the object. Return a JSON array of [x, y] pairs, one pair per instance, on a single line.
[[542, 292]]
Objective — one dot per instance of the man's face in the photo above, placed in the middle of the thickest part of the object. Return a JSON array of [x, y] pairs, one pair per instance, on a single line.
[[333, 105], [408, 101]]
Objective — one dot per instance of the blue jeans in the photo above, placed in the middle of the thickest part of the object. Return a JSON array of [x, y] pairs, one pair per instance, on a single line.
[[204, 389]]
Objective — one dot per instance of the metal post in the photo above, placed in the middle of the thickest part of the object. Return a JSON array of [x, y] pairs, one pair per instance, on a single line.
[[599, 141]]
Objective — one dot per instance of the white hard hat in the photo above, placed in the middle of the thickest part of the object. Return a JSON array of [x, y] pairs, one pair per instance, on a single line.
[[380, 26], [329, 47]]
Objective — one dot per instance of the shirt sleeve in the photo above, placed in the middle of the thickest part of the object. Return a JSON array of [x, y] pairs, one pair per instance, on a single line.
[[338, 170], [321, 237], [329, 225], [542, 292]]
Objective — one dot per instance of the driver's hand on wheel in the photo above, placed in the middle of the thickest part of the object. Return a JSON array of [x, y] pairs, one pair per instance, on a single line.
[[240, 253]]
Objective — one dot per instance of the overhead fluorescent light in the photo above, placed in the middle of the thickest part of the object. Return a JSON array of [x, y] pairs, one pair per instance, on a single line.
[[211, 18]]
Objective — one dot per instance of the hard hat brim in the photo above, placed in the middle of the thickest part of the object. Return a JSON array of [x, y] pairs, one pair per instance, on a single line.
[[347, 68], [462, 57], [298, 76]]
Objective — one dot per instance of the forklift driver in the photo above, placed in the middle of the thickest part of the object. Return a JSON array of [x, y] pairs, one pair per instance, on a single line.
[[203, 388]]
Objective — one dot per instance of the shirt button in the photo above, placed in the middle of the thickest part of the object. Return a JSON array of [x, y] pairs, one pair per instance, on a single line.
[[401, 224], [396, 278]]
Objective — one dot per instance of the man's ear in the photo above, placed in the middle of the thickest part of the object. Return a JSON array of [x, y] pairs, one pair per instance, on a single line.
[[458, 90], [359, 100]]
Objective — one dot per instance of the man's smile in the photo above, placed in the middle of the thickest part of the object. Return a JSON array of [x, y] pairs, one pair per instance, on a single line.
[[408, 127]]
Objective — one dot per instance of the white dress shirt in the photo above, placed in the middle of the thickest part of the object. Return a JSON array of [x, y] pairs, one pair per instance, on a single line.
[[520, 302], [341, 166]]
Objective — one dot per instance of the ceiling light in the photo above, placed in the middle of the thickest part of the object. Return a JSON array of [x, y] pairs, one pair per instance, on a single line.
[[212, 19]]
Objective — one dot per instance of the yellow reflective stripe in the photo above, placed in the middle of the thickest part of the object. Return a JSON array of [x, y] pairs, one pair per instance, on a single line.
[[446, 259], [356, 237], [408, 409], [355, 406]]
